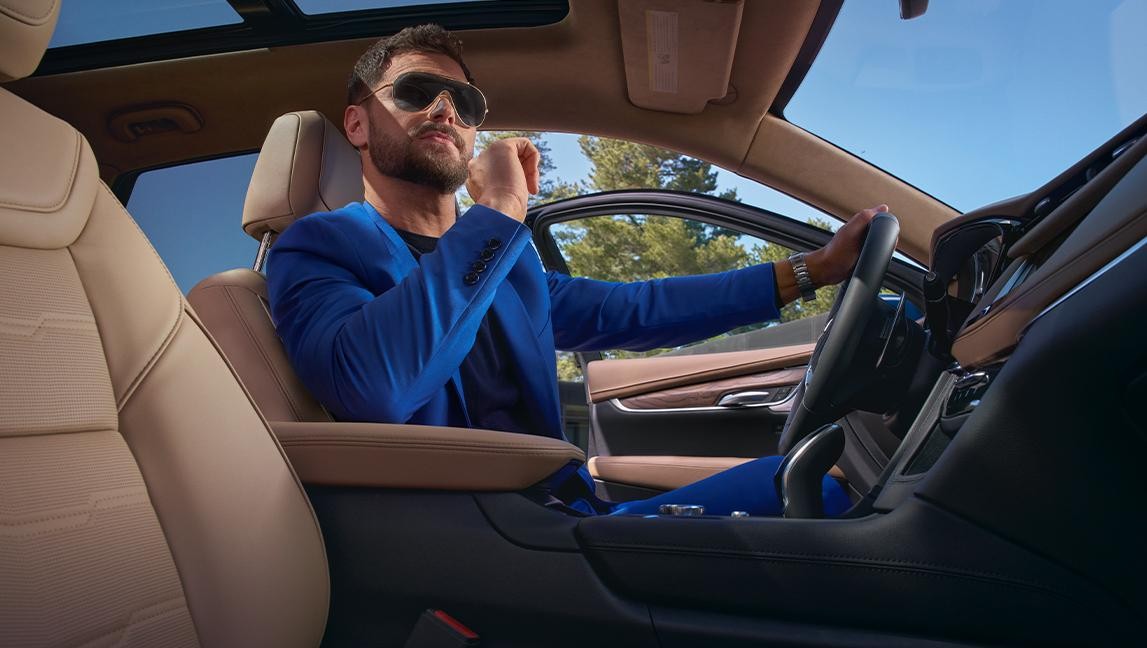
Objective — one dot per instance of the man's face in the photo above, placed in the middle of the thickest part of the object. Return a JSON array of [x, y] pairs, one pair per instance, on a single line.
[[430, 147]]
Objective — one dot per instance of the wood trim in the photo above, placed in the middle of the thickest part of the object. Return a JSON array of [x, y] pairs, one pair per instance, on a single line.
[[707, 394], [608, 379]]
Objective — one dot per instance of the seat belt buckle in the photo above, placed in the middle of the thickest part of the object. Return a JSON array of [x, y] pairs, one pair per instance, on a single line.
[[436, 629]]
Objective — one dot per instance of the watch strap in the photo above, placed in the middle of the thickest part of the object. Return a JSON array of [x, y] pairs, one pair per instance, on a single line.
[[804, 280]]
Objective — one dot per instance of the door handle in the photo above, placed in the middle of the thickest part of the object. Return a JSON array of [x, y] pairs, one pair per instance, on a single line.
[[748, 399]]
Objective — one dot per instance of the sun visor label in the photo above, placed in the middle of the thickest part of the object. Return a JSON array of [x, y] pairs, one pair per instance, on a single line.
[[661, 34]]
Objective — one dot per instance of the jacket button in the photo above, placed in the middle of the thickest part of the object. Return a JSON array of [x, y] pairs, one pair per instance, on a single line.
[[470, 279], [478, 266], [486, 254], [494, 243]]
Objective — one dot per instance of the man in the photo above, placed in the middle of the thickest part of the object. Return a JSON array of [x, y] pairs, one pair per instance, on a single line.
[[396, 310]]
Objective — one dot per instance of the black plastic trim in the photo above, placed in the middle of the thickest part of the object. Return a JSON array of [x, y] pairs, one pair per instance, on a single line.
[[821, 26], [278, 23], [756, 221]]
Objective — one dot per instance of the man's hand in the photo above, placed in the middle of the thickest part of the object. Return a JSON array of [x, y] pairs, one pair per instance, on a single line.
[[832, 263], [504, 176]]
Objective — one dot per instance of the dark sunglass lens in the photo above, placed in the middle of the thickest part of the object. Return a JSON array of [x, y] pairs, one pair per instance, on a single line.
[[471, 105], [415, 91], [412, 95]]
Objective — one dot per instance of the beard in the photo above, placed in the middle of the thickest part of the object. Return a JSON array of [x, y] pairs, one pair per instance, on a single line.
[[398, 157]]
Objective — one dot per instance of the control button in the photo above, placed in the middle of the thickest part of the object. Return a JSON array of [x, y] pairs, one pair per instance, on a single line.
[[470, 279], [486, 254], [494, 243], [478, 266], [682, 510]]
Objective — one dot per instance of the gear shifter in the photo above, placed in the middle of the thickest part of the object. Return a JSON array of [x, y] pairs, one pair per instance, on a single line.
[[798, 478]]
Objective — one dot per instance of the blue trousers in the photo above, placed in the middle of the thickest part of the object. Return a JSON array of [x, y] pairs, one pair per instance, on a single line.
[[747, 487]]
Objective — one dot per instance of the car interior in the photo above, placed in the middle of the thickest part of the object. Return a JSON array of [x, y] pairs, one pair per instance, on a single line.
[[167, 480]]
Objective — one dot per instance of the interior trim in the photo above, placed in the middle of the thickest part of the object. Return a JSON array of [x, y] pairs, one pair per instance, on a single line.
[[706, 395], [609, 379], [377, 455], [666, 472]]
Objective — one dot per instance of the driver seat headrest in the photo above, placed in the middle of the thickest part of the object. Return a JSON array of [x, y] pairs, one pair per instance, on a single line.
[[305, 166], [26, 28]]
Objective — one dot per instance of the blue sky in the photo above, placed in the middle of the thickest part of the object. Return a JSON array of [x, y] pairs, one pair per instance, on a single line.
[[976, 101]]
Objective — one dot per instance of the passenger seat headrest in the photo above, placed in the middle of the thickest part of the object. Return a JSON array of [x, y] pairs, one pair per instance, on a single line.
[[305, 166], [25, 30]]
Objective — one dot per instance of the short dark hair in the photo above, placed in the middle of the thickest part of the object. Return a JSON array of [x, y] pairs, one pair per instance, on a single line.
[[374, 62]]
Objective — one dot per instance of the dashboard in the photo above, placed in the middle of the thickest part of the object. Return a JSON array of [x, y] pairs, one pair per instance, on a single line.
[[999, 267]]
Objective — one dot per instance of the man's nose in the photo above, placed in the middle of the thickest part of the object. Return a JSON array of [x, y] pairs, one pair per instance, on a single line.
[[442, 109]]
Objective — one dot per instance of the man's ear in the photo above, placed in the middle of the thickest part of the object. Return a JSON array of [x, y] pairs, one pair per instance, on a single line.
[[355, 126]]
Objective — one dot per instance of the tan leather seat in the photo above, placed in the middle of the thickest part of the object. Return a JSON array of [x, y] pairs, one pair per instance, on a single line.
[[143, 500], [305, 166]]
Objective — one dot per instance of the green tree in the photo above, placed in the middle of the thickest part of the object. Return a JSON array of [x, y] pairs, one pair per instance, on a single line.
[[551, 187], [635, 247], [771, 253]]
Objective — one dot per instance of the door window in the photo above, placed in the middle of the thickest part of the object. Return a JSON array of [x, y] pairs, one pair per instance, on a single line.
[[192, 213], [638, 247]]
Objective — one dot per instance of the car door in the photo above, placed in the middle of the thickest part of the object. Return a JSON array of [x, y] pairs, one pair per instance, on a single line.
[[658, 420]]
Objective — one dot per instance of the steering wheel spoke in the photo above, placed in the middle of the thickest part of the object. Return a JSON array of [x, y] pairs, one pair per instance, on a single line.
[[831, 379]]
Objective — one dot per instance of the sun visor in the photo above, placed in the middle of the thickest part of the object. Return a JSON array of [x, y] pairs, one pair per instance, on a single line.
[[678, 53]]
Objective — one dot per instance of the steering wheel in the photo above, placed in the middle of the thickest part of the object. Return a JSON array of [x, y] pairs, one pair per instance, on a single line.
[[823, 394]]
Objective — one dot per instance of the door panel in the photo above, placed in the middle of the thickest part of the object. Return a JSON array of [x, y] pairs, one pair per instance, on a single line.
[[608, 379], [659, 422]]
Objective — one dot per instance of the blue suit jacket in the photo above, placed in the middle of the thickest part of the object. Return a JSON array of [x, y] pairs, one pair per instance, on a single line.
[[377, 336]]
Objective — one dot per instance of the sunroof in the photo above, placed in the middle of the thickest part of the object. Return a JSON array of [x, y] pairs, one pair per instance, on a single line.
[[92, 21], [313, 7]]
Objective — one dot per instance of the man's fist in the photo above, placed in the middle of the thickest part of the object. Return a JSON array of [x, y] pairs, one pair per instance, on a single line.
[[833, 263], [504, 176]]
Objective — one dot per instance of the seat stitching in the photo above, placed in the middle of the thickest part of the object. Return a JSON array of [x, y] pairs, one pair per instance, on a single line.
[[259, 347], [154, 360], [68, 186], [267, 429], [134, 620], [28, 18]]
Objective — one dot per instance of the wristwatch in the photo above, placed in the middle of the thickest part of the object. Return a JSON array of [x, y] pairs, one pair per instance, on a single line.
[[804, 281]]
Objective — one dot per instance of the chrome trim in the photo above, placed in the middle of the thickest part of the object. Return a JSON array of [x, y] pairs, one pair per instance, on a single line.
[[681, 510], [974, 379], [261, 255], [616, 402], [745, 399], [1083, 284]]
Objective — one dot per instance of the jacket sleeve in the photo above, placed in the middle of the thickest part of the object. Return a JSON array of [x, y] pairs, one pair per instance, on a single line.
[[380, 357], [591, 315]]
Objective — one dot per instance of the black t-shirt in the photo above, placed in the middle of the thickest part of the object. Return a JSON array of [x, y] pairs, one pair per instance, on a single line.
[[493, 397]]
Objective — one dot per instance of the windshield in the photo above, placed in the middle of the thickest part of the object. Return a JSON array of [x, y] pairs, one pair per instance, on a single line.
[[977, 100]]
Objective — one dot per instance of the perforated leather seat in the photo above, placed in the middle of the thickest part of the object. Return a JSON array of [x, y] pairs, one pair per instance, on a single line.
[[143, 499], [305, 166]]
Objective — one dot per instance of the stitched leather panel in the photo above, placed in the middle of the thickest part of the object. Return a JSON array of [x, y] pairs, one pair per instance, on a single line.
[[421, 456], [305, 166], [83, 560], [53, 377], [25, 30], [47, 177], [233, 308], [238, 522]]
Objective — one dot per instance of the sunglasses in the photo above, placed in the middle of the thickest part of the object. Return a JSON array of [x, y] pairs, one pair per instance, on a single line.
[[416, 91]]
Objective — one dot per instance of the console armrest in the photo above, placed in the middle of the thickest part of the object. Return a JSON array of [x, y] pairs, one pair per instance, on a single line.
[[419, 456]]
